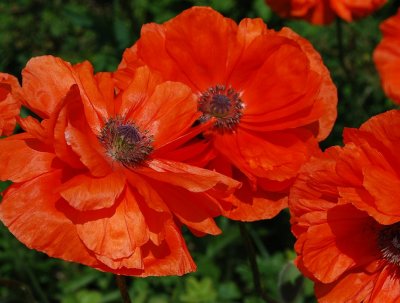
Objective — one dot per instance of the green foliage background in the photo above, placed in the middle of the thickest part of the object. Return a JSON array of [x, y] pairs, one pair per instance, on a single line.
[[99, 31]]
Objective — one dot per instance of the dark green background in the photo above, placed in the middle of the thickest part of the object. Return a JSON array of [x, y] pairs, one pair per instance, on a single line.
[[99, 31]]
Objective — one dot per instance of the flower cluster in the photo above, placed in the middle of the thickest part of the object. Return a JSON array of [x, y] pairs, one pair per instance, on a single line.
[[93, 179], [269, 92], [203, 118], [115, 163]]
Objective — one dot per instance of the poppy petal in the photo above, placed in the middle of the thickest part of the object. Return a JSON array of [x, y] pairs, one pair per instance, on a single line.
[[95, 106], [327, 94], [85, 192], [24, 158], [114, 233], [339, 291], [276, 156], [253, 205], [385, 287], [192, 178], [9, 110], [34, 218], [337, 246], [41, 86], [387, 57], [170, 110], [385, 188], [87, 147], [171, 257], [143, 84], [187, 43], [197, 214]]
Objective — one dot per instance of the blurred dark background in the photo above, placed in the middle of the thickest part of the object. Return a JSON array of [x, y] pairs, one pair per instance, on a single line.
[[99, 31]]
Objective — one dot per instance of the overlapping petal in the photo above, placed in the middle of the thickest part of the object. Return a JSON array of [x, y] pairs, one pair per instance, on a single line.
[[387, 57], [115, 215], [9, 103], [345, 215], [288, 98]]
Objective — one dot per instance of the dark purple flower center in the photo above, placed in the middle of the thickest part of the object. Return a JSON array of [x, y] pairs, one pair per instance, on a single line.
[[125, 143], [389, 243], [222, 103]]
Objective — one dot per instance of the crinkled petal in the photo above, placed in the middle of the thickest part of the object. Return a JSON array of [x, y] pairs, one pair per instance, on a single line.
[[114, 233], [46, 81], [85, 192], [23, 158], [327, 94], [340, 291], [185, 41], [339, 245], [192, 178], [167, 113], [385, 189], [171, 257], [387, 57], [194, 210], [31, 213]]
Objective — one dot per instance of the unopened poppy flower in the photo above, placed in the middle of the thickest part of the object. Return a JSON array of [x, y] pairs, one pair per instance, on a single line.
[[9, 103], [387, 57], [346, 215], [325, 11], [270, 95], [94, 182]]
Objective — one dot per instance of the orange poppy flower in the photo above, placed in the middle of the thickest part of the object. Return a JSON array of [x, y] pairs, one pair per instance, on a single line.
[[346, 215], [387, 57], [270, 95], [9, 103], [324, 11], [94, 182]]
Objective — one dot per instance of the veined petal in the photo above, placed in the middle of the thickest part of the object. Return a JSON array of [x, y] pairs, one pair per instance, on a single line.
[[171, 257], [361, 285], [194, 210], [85, 192], [190, 177], [142, 85], [340, 243], [95, 105], [114, 233], [46, 81], [167, 113], [385, 189], [23, 158], [34, 217], [185, 41], [87, 150], [252, 204]]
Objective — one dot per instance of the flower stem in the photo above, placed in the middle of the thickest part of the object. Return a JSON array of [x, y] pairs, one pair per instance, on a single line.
[[251, 254], [121, 283]]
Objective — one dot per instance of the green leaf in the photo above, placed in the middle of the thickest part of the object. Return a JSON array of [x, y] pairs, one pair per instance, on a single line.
[[199, 291]]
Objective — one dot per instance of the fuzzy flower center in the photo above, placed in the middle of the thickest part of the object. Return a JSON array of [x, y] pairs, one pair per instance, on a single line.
[[389, 243], [125, 143], [222, 103]]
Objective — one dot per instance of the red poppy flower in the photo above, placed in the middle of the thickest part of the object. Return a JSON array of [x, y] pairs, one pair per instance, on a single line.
[[9, 103], [387, 57], [270, 95], [346, 215], [94, 182], [324, 11]]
